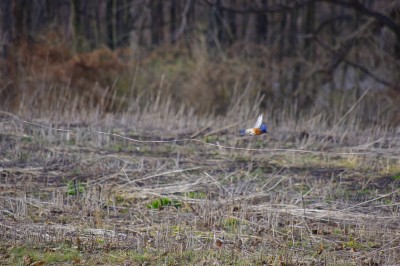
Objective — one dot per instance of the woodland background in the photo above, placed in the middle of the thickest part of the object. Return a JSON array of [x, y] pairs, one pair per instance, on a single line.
[[71, 56]]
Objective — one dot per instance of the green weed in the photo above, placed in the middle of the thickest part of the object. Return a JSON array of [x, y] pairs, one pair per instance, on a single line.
[[161, 203], [210, 139], [396, 177], [27, 139], [47, 256], [75, 187], [231, 223], [195, 195]]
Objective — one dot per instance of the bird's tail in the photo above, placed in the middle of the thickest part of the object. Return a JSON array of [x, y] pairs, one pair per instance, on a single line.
[[242, 132]]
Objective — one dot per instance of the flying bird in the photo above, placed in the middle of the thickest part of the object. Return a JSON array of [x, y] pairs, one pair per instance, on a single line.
[[258, 129]]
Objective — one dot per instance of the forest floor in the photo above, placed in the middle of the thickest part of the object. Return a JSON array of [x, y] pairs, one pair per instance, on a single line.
[[284, 198]]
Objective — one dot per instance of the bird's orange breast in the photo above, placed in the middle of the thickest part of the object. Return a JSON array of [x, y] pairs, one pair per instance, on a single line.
[[257, 131]]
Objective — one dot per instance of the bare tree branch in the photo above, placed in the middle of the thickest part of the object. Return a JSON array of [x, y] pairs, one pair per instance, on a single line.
[[341, 57], [357, 6], [184, 21], [351, 4], [261, 9]]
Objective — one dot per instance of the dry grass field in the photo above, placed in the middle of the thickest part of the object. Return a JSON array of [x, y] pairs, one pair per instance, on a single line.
[[119, 132], [170, 188]]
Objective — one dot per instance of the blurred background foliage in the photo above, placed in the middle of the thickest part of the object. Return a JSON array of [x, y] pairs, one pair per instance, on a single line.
[[122, 55]]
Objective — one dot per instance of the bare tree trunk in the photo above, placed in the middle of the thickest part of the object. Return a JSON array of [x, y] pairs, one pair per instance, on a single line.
[[157, 22], [22, 21], [77, 26], [174, 10], [395, 16], [112, 23], [214, 30], [309, 25], [7, 28], [282, 42], [262, 25], [293, 47], [124, 24], [8, 71]]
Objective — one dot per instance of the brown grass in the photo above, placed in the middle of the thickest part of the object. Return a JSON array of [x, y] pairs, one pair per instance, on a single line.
[[46, 77], [304, 194]]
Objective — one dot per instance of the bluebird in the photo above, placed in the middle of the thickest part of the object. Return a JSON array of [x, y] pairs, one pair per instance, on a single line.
[[258, 129]]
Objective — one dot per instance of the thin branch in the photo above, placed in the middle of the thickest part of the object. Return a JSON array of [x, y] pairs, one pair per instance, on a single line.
[[357, 6], [355, 65], [259, 10], [183, 26], [354, 5]]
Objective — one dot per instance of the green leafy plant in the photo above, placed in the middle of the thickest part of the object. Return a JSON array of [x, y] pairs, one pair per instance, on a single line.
[[195, 195], [210, 138], [75, 187], [396, 177], [161, 203], [231, 223]]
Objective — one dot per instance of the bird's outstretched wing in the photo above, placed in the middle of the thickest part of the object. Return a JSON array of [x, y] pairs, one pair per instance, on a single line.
[[259, 121]]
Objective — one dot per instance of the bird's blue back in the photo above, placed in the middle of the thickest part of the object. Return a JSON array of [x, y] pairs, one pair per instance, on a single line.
[[264, 128]]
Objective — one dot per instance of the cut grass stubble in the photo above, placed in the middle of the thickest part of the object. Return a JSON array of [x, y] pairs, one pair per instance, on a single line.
[[176, 194]]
